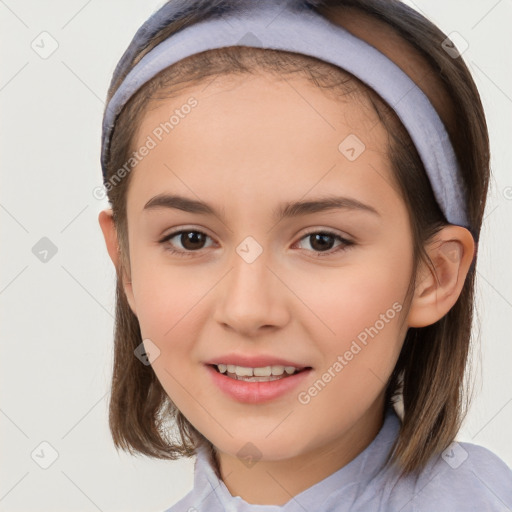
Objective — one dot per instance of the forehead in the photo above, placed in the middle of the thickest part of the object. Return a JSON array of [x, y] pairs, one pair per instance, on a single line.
[[259, 135]]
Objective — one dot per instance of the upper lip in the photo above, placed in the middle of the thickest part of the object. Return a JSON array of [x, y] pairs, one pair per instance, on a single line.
[[254, 361]]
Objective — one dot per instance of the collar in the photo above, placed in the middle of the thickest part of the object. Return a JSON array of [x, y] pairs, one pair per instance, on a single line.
[[340, 487]]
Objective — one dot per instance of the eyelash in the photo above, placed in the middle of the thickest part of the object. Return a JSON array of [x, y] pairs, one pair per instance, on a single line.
[[345, 244]]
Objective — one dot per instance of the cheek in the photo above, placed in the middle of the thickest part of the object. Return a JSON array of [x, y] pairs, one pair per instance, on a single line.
[[361, 310], [364, 311], [353, 298], [169, 309], [167, 295]]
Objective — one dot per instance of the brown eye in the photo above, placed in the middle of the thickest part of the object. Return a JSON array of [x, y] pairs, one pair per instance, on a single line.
[[190, 240], [323, 241]]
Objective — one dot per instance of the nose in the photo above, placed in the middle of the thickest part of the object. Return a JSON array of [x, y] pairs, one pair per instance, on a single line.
[[252, 297]]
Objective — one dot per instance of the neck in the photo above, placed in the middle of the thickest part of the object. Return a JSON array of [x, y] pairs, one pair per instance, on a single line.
[[275, 482]]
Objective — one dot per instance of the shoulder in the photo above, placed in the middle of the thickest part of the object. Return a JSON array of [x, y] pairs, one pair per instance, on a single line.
[[465, 477]]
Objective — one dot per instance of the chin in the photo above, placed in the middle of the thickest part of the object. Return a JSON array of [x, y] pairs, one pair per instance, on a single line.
[[258, 448]]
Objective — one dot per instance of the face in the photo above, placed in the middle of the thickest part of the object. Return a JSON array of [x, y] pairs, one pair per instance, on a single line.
[[320, 289]]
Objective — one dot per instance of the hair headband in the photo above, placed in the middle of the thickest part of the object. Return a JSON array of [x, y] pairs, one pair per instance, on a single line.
[[291, 25]]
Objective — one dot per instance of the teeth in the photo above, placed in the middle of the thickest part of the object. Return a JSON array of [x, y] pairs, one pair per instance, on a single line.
[[265, 371], [277, 370], [262, 372], [242, 371]]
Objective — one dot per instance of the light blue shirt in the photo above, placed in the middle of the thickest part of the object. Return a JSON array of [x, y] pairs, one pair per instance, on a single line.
[[466, 477]]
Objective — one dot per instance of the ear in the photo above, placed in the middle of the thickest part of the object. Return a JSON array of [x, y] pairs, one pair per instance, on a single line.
[[108, 227], [451, 252]]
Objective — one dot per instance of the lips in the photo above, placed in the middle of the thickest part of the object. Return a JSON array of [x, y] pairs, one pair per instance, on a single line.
[[254, 391], [254, 361], [246, 378]]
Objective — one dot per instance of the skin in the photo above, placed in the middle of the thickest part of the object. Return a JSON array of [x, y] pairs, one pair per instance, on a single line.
[[248, 146]]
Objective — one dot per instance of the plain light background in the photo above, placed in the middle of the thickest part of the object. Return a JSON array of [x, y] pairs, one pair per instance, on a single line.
[[57, 315]]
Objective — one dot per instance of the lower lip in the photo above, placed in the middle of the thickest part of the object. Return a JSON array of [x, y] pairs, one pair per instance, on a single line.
[[256, 392]]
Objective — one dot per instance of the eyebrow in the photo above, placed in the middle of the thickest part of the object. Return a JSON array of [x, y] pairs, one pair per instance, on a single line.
[[283, 211]]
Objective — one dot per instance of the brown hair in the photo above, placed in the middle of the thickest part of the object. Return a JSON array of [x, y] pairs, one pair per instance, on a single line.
[[429, 377]]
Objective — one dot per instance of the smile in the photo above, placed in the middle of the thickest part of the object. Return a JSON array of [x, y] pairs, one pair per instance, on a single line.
[[259, 374], [256, 385]]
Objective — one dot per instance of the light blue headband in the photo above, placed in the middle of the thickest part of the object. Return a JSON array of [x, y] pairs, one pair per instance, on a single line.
[[292, 25]]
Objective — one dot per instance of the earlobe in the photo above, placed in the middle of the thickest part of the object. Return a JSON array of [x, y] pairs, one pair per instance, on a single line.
[[437, 290], [108, 227]]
